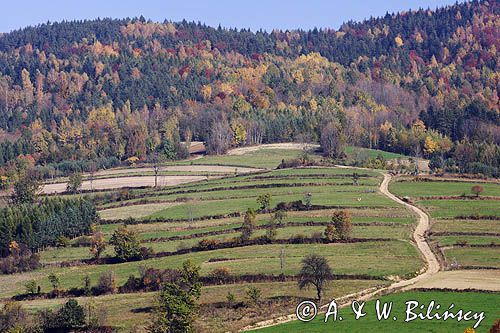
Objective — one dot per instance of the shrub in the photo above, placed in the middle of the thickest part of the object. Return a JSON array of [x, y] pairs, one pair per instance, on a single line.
[[477, 190], [264, 200], [54, 281], [126, 244], [21, 259], [253, 295], [248, 225], [231, 299], [97, 244], [330, 233], [71, 315], [221, 275], [13, 318], [87, 288], [279, 216], [31, 287], [107, 283], [208, 244]]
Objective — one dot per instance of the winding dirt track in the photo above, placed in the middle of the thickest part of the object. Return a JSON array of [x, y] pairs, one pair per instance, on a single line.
[[432, 264]]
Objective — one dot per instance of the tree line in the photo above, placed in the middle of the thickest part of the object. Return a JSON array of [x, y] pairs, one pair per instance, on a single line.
[[37, 226]]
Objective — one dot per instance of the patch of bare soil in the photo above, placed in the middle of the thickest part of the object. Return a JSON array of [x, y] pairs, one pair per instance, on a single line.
[[484, 279], [119, 182]]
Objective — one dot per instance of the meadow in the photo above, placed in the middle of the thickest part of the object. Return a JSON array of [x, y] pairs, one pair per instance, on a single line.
[[465, 227], [173, 218], [474, 301]]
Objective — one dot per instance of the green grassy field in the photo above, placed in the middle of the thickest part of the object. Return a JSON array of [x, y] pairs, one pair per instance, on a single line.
[[262, 158], [437, 188], [477, 302], [372, 153], [456, 216], [477, 257], [128, 311], [377, 259], [374, 216]]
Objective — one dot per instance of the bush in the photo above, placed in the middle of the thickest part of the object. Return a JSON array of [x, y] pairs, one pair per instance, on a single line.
[[342, 222], [71, 315], [477, 190], [13, 318], [126, 244], [107, 283], [208, 244], [221, 275], [21, 259], [330, 233], [231, 299], [150, 279], [31, 287], [253, 295]]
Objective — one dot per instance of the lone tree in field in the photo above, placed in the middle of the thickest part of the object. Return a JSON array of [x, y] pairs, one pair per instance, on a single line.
[[74, 183], [248, 225], [54, 282], [315, 272], [264, 200], [126, 244], [176, 302], [279, 216], [477, 190], [333, 140], [97, 244], [355, 179], [342, 222], [156, 161]]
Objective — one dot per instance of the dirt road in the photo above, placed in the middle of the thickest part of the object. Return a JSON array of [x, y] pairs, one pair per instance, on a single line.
[[484, 279], [418, 236], [432, 264]]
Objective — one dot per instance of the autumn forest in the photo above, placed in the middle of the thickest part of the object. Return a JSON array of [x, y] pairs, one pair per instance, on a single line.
[[422, 83]]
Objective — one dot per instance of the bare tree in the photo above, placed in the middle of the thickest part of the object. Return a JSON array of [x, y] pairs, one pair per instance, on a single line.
[[254, 132], [333, 140], [219, 139], [155, 161], [92, 171], [316, 272]]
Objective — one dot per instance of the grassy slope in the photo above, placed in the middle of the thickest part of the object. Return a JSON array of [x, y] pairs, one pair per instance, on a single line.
[[465, 300], [422, 189]]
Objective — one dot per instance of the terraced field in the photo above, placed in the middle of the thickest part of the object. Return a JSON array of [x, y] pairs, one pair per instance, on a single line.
[[466, 228], [175, 219]]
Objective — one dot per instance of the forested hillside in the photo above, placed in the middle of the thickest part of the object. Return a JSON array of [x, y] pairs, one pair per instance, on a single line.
[[421, 83]]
